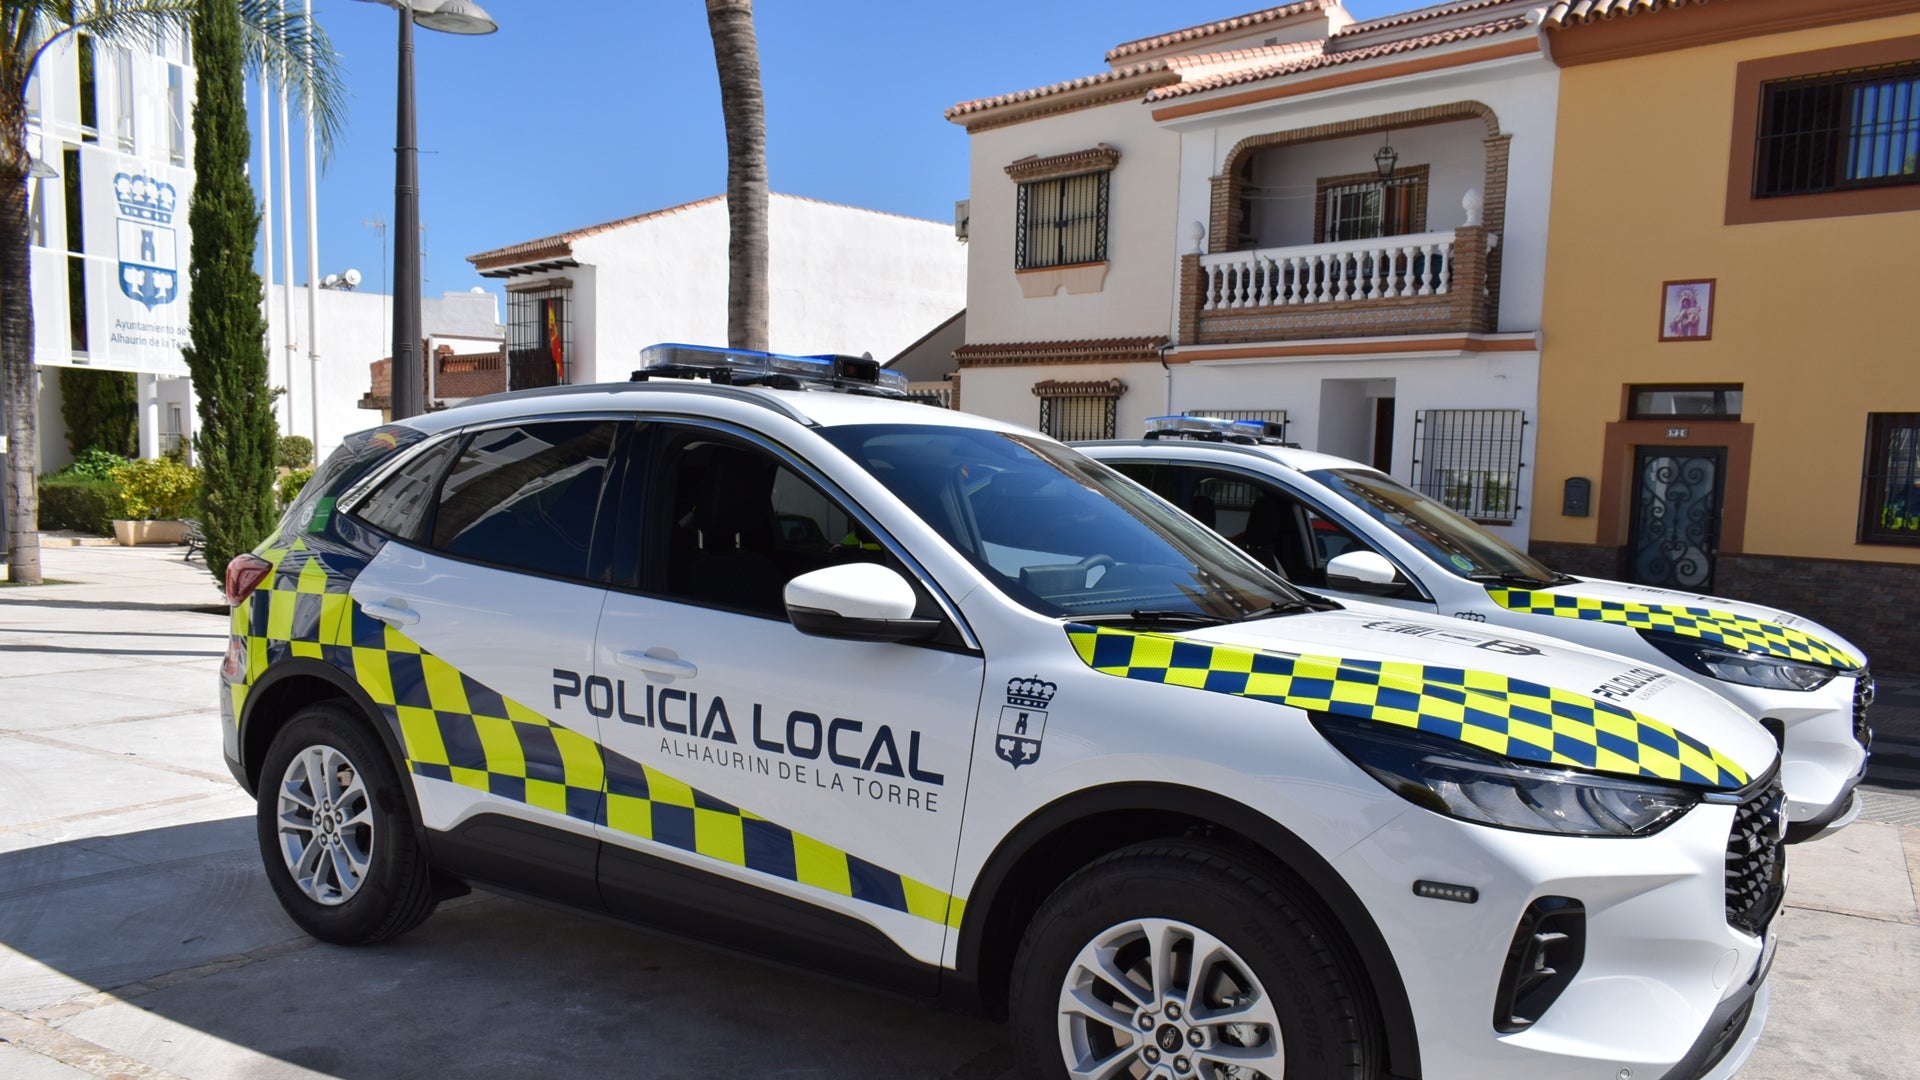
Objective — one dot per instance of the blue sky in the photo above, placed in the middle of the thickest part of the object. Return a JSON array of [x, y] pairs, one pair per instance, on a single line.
[[582, 111]]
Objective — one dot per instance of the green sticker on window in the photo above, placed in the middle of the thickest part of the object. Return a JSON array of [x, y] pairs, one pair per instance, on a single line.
[[322, 513], [1463, 562]]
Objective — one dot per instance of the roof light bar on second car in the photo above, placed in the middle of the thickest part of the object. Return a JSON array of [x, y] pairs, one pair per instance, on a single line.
[[1216, 429], [746, 367]]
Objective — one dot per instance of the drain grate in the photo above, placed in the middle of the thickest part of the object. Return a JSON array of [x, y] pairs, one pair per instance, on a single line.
[[1884, 806]]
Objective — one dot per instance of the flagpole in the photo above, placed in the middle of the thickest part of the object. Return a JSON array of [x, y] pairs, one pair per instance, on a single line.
[[266, 216], [313, 251], [286, 242]]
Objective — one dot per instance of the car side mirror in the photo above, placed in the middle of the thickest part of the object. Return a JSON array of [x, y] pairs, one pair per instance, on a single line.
[[1364, 572], [856, 601]]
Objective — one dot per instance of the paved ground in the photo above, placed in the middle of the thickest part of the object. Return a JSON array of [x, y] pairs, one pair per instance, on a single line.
[[138, 938]]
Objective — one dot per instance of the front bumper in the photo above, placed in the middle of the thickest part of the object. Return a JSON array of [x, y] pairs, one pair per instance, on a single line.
[[1667, 987], [1824, 740]]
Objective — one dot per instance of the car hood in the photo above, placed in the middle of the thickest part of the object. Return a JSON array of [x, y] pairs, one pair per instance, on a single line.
[[1525, 696], [1736, 623]]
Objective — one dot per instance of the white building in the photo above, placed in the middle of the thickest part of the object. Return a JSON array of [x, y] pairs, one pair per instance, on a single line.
[[1286, 215], [110, 133], [842, 280]]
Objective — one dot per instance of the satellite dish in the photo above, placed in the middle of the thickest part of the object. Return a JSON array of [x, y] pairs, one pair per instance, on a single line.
[[478, 290], [352, 278], [331, 281]]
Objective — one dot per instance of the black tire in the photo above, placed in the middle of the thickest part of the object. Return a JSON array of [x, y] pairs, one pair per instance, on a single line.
[[1281, 962], [393, 892]]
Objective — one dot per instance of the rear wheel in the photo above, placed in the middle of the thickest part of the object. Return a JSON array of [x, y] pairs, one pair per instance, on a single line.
[[335, 832], [1186, 963]]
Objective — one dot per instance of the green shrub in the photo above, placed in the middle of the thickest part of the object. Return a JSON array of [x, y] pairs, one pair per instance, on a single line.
[[291, 484], [157, 488], [80, 503], [101, 408], [294, 452], [94, 464]]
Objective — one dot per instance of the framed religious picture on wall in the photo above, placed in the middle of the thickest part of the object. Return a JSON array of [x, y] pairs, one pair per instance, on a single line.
[[1686, 310]]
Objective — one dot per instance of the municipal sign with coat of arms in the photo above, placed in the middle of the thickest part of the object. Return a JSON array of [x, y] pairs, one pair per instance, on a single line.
[[1023, 720], [149, 270]]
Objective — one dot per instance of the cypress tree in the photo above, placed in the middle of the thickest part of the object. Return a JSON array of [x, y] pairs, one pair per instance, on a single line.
[[227, 354]]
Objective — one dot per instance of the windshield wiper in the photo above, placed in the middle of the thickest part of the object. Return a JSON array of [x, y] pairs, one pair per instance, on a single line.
[[1152, 618], [1291, 607], [1497, 577]]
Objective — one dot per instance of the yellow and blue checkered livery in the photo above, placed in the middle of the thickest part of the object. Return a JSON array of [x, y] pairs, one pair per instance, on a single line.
[[456, 729], [1721, 627], [1512, 717]]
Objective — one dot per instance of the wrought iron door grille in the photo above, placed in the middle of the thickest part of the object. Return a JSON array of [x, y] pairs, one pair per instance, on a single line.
[[539, 338], [1079, 417], [1062, 221], [1847, 129], [1890, 483], [1469, 459]]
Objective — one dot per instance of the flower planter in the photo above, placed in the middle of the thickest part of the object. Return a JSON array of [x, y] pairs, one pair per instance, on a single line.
[[131, 533]]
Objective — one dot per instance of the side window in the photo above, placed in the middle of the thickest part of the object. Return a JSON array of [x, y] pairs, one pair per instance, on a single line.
[[401, 502], [744, 524], [1264, 520], [525, 497], [1330, 539]]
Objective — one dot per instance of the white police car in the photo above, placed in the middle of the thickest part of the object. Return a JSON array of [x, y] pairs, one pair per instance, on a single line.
[[935, 701], [1343, 529]]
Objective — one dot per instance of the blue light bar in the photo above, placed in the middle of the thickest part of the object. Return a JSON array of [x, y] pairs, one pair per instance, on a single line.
[[1214, 429], [743, 367]]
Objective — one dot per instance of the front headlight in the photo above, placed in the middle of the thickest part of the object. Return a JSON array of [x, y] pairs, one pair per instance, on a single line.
[[1737, 666], [1465, 782]]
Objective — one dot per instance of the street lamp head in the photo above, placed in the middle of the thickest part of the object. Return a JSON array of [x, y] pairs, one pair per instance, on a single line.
[[448, 16], [455, 17], [40, 170]]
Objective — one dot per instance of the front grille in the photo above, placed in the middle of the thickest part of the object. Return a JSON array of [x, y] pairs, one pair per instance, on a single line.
[[1862, 697], [1756, 859]]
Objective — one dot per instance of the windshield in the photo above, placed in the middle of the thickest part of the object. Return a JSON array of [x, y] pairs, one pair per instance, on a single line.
[[1059, 532], [1442, 535]]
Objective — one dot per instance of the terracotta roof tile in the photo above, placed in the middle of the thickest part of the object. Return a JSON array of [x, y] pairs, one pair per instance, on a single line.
[[1224, 26], [1156, 72], [1425, 14], [1343, 56], [1566, 13]]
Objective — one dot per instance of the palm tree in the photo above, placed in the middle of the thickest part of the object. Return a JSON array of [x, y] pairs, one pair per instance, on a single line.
[[273, 40], [737, 54]]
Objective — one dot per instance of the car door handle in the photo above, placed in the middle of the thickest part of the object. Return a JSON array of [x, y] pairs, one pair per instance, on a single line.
[[657, 665], [395, 613]]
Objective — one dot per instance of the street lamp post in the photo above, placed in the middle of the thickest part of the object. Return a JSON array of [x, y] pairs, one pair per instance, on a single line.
[[453, 17]]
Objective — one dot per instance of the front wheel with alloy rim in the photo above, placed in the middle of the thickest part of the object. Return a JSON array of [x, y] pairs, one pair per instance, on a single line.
[[336, 834], [1187, 962]]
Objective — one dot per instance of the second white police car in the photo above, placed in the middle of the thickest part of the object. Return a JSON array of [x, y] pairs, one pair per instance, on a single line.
[[938, 702], [1346, 530]]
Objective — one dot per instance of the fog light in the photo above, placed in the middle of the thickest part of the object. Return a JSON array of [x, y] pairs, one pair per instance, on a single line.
[[1548, 947]]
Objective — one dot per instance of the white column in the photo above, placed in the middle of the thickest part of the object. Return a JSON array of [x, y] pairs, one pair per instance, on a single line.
[[147, 390], [286, 246], [313, 264]]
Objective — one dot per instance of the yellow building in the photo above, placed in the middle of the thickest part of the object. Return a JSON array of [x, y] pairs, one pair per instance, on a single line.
[[1730, 381]]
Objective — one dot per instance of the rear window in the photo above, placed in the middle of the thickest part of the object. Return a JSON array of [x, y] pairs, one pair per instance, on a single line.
[[359, 452]]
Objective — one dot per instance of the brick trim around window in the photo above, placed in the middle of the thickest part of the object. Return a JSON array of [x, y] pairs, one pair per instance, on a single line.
[[1742, 207], [1093, 159]]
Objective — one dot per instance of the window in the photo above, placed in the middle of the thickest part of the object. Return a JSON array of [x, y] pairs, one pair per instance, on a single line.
[[123, 99], [400, 503], [1079, 410], [1365, 207], [524, 497], [1060, 215], [1062, 222], [1890, 486], [1827, 133], [1849, 129], [177, 122], [1469, 459], [539, 336], [1695, 402], [76, 253], [744, 524], [89, 90]]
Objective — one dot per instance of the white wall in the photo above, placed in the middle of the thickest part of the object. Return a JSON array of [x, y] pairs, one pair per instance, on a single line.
[[1137, 297], [1006, 393], [1329, 402], [842, 280]]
